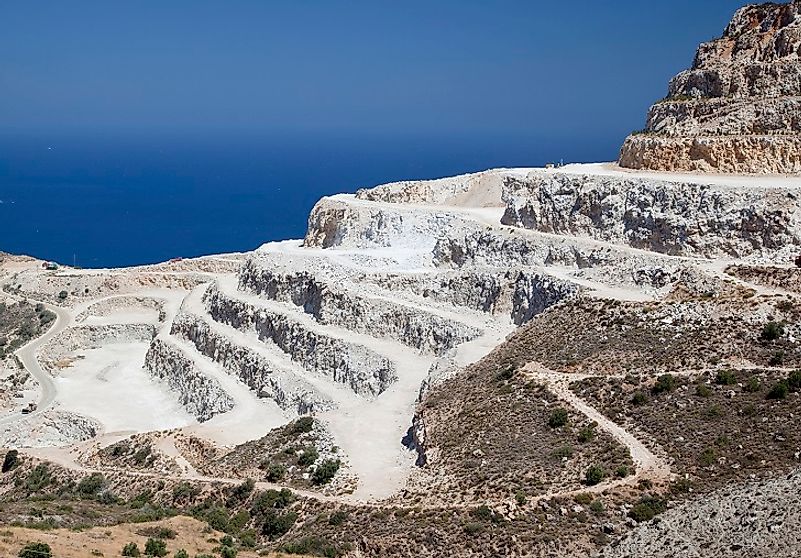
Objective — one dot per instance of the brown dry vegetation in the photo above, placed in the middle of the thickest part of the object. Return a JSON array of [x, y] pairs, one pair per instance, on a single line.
[[714, 434], [488, 438], [609, 337]]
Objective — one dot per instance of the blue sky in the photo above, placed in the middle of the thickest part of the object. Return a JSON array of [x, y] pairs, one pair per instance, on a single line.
[[584, 68]]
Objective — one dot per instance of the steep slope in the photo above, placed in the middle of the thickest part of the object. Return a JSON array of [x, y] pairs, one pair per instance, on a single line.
[[737, 109]]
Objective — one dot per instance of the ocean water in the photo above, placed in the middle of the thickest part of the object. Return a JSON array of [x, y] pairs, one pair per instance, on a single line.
[[108, 201]]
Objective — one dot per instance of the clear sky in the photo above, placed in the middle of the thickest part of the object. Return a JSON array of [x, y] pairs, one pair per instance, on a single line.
[[583, 68]]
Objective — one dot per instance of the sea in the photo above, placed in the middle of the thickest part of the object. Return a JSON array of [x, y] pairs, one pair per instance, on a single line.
[[114, 200]]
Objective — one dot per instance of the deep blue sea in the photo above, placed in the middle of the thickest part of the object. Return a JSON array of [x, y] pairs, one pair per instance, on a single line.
[[120, 200]]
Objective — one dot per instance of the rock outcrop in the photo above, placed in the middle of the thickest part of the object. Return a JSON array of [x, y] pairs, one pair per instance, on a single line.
[[680, 219], [738, 109]]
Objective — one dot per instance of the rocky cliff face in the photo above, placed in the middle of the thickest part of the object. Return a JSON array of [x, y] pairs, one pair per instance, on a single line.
[[737, 109], [665, 217], [200, 395]]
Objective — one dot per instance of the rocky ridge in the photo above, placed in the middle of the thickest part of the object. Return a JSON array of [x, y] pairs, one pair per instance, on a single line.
[[737, 109]]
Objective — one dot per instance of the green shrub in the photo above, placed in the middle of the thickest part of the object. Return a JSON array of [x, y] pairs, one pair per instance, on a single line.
[[228, 552], [10, 461], [275, 472], [582, 498], [131, 549], [707, 457], [772, 331], [474, 528], [794, 380], [586, 434], [314, 546], [664, 383], [714, 411], [776, 359], [753, 385], [38, 478], [62, 295], [622, 471], [558, 418], [725, 378], [594, 475], [184, 491], [702, 390], [269, 500], [181, 553], [484, 513], [240, 492], [275, 523], [597, 507], [218, 518], [308, 457], [35, 550], [158, 532], [646, 509], [90, 485], [779, 391], [639, 398], [563, 452], [338, 518], [325, 471], [520, 498], [302, 426], [155, 547]]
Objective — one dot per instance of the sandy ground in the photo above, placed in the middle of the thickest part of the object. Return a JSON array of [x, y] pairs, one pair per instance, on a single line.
[[110, 385], [191, 535]]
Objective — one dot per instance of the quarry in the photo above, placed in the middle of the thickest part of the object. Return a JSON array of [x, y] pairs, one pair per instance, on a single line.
[[591, 360]]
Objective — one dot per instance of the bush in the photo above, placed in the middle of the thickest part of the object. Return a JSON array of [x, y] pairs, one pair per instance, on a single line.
[[275, 472], [181, 553], [89, 486], [131, 549], [38, 478], [276, 524], [772, 331], [702, 390], [338, 518], [217, 517], [308, 457], [325, 471], [10, 460], [62, 295], [184, 491], [707, 457], [639, 398], [240, 492], [520, 498], [158, 532], [302, 426], [586, 434], [753, 385], [779, 391], [155, 547], [794, 380], [269, 500], [558, 418], [622, 471], [776, 359], [725, 378], [664, 383], [313, 546], [36, 550], [594, 475], [646, 509], [474, 528]]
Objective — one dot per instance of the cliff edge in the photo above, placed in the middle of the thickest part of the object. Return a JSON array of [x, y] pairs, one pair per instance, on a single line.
[[738, 109]]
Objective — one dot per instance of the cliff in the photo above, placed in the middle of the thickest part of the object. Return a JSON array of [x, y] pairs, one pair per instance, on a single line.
[[738, 109]]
